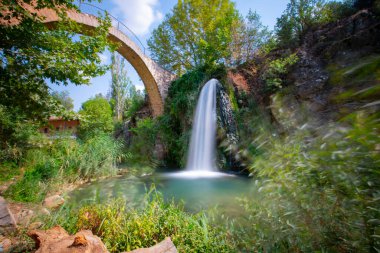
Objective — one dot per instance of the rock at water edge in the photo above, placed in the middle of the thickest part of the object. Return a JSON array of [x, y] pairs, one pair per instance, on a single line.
[[53, 201], [7, 221], [166, 246]]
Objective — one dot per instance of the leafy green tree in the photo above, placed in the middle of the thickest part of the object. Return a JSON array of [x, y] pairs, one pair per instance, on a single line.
[[299, 16], [63, 97], [121, 85], [256, 33], [143, 141], [135, 102], [96, 116], [338, 9], [362, 4], [247, 37], [32, 54], [15, 133], [197, 32], [356, 5]]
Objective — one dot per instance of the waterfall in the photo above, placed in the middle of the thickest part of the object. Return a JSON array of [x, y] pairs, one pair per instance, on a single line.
[[201, 156]]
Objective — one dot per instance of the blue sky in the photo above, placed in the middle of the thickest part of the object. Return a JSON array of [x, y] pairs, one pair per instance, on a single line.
[[142, 16]]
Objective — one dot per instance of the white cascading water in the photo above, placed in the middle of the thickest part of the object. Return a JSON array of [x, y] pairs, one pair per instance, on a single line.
[[201, 157]]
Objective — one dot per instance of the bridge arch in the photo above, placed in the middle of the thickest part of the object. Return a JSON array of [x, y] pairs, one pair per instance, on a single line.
[[156, 79]]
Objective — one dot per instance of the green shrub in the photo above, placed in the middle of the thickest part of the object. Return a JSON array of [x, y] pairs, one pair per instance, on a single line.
[[98, 156], [277, 70], [134, 105], [123, 229], [15, 134], [317, 194], [8, 170], [143, 142], [29, 189], [65, 160], [96, 117]]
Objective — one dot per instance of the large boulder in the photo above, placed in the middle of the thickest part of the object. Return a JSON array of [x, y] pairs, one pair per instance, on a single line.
[[7, 221], [57, 240], [23, 213]]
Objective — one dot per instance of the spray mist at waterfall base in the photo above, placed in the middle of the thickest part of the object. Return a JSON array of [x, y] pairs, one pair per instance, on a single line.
[[198, 174]]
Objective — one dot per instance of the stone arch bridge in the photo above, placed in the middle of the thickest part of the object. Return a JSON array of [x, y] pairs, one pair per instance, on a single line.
[[156, 79]]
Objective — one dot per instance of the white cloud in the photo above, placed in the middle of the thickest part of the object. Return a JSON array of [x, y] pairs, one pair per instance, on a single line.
[[138, 15], [104, 58], [139, 85]]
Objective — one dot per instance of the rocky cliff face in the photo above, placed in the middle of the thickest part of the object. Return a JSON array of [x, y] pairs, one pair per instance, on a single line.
[[226, 114], [333, 48], [334, 59], [227, 135], [359, 33]]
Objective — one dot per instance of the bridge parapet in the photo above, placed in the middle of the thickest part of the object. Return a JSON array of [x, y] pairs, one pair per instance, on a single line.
[[94, 10]]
